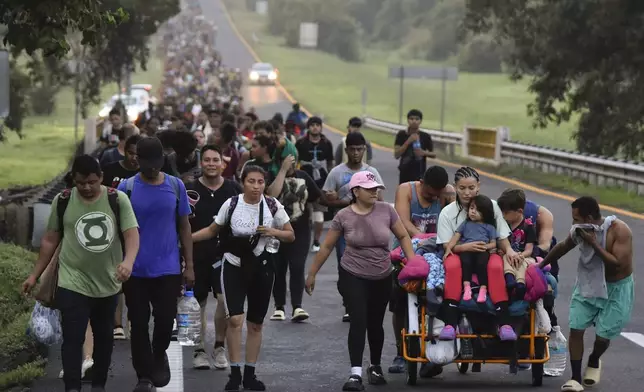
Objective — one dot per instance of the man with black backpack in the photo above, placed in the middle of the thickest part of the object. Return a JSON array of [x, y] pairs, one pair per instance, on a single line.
[[94, 226], [161, 206]]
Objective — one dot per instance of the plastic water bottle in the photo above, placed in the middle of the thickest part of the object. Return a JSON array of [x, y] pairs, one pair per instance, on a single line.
[[467, 349], [189, 320], [272, 245], [558, 346]]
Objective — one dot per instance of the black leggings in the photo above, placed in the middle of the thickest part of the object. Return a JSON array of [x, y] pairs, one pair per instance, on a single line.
[[367, 304], [291, 256], [475, 262]]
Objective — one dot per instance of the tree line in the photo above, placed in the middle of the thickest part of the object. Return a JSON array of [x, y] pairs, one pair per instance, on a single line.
[[48, 39], [583, 59]]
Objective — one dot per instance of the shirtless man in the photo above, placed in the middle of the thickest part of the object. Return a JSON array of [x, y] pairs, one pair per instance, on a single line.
[[418, 204], [604, 290]]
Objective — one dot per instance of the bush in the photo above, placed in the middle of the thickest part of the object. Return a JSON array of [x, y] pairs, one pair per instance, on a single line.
[[481, 54], [20, 356]]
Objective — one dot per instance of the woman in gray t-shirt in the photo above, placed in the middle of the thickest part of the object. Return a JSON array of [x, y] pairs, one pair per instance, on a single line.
[[365, 270]]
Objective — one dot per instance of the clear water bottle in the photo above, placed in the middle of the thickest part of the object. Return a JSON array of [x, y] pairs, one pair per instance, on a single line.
[[189, 320], [464, 328], [272, 245], [558, 346]]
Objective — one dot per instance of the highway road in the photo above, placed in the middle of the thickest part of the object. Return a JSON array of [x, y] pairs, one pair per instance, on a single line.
[[313, 357]]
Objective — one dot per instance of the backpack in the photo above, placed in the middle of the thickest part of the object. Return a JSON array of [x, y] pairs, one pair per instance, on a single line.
[[227, 232], [113, 200], [174, 181]]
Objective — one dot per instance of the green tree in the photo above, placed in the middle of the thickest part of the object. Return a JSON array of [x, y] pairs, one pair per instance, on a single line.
[[44, 24], [581, 57]]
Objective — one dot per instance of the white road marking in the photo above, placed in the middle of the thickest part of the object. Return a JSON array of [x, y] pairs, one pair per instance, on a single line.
[[634, 337], [175, 358]]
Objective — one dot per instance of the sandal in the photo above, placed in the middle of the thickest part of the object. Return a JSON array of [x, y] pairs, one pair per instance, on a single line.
[[592, 375], [572, 386]]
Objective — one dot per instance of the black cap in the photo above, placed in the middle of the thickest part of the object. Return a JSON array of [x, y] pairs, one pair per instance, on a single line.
[[355, 122], [149, 152], [314, 120], [355, 139]]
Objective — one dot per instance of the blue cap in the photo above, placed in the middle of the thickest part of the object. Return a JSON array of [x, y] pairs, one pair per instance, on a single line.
[[190, 293]]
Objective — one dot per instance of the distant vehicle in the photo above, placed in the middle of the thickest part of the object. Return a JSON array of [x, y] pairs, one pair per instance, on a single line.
[[133, 105], [143, 91], [262, 73]]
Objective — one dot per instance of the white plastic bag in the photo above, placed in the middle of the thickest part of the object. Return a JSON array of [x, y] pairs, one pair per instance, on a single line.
[[44, 325], [542, 319], [441, 352]]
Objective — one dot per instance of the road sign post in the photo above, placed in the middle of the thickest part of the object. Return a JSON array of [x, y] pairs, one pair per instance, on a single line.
[[4, 84], [444, 74]]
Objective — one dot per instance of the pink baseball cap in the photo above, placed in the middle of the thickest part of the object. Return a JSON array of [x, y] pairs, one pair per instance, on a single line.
[[365, 179]]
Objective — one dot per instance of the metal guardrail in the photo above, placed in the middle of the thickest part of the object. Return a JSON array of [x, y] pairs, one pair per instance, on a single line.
[[596, 170]]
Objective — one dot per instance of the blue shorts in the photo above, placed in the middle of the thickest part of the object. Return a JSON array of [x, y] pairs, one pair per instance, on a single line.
[[608, 315]]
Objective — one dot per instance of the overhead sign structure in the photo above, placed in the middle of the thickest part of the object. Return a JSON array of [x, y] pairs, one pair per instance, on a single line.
[[308, 35], [261, 7], [443, 74], [4, 83]]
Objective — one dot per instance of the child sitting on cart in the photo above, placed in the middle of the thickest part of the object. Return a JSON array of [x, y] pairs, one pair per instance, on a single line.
[[479, 227], [522, 239]]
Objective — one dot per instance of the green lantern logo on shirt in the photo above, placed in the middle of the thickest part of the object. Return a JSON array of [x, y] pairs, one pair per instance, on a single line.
[[95, 231]]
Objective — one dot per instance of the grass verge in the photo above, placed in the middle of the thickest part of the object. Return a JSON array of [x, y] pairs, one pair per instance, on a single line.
[[326, 84], [48, 141], [21, 358]]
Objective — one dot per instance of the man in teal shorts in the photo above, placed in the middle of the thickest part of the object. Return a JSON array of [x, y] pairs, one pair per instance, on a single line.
[[605, 288]]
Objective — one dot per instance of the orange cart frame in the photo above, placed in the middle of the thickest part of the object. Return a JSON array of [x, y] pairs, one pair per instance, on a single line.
[[463, 363]]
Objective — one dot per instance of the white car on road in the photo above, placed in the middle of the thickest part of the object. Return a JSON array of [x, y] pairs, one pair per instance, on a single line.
[[262, 73]]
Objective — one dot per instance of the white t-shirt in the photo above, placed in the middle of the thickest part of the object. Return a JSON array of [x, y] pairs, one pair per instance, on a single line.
[[245, 220], [450, 218]]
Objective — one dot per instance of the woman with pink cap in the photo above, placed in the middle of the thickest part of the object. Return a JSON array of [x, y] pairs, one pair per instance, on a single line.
[[366, 225]]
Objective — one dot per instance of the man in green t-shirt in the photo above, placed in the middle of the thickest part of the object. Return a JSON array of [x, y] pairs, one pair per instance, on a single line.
[[92, 266]]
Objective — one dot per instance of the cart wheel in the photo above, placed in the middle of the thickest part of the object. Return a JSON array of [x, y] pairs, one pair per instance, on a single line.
[[537, 375], [462, 367], [412, 367], [412, 372], [537, 368]]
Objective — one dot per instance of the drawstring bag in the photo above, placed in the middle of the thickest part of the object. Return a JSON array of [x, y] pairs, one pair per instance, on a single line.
[[542, 319], [44, 325]]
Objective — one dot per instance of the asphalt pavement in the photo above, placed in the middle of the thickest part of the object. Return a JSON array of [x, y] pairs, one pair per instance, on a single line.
[[313, 356]]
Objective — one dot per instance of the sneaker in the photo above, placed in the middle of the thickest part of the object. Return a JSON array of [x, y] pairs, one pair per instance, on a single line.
[[175, 331], [467, 293], [353, 384], [429, 370], [200, 360], [145, 385], [119, 333], [506, 333], [86, 369], [346, 318], [233, 384], [221, 362], [447, 333], [278, 315], [397, 366], [316, 247], [253, 384], [299, 315], [375, 375], [161, 376]]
